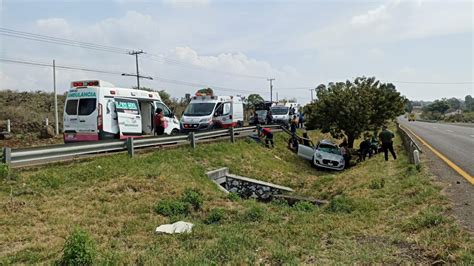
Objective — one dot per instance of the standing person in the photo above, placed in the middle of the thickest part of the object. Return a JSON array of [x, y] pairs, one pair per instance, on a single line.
[[364, 149], [269, 117], [255, 119], [345, 152], [159, 121], [301, 120], [267, 133], [386, 137], [293, 125], [374, 144]]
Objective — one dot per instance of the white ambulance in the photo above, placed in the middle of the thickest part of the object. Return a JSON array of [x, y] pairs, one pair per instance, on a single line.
[[207, 111], [96, 110]]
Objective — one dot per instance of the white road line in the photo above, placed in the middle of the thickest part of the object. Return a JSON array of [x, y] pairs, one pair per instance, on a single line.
[[449, 130], [472, 136]]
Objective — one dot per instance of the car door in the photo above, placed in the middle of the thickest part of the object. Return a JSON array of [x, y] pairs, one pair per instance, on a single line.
[[223, 114], [305, 152], [172, 122], [129, 118]]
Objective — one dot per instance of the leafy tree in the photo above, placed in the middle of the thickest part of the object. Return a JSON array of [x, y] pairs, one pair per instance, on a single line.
[[206, 91], [350, 108], [166, 97], [408, 106], [469, 103], [253, 99], [438, 106], [454, 103]]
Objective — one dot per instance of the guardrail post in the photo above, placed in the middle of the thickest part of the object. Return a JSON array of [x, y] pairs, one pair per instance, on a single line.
[[7, 155], [8, 126], [232, 135], [47, 121], [416, 157], [192, 139], [130, 149]]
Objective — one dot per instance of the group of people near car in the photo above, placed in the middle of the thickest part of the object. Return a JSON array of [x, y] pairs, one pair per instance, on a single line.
[[371, 145]]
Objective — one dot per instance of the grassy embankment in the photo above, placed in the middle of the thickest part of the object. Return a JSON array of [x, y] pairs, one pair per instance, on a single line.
[[402, 218]]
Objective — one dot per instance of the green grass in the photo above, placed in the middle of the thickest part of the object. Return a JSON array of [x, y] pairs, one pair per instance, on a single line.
[[115, 200]]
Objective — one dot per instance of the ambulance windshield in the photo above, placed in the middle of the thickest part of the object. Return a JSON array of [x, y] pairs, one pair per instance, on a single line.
[[199, 109]]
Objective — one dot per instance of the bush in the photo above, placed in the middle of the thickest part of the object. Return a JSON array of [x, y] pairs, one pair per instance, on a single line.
[[426, 219], [193, 197], [341, 204], [304, 206], [215, 216], [170, 207], [377, 184], [4, 171], [253, 214], [79, 249], [232, 196]]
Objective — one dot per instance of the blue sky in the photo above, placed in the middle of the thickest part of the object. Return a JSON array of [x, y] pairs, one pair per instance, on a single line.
[[300, 43]]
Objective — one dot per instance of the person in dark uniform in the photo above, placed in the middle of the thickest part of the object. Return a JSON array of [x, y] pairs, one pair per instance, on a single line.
[[386, 137]]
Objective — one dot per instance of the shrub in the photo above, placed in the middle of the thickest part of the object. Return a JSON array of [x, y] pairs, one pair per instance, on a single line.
[[193, 197], [377, 184], [170, 207], [4, 171], [426, 219], [79, 249], [215, 216], [232, 196], [341, 204], [304, 206], [253, 214]]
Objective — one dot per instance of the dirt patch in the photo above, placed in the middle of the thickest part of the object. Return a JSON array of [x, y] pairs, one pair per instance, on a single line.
[[406, 250]]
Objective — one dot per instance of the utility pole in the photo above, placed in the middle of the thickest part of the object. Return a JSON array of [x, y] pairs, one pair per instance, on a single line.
[[271, 88], [136, 53], [56, 119]]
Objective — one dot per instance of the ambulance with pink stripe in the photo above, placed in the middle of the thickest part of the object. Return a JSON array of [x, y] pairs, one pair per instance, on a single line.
[[96, 110], [208, 111]]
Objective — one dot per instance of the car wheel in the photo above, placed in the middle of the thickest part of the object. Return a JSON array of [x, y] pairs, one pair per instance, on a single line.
[[174, 132]]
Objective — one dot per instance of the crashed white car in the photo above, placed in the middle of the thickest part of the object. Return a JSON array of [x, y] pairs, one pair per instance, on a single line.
[[326, 155]]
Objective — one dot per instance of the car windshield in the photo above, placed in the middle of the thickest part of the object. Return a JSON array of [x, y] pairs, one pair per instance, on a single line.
[[280, 110], [329, 149], [199, 109], [261, 113]]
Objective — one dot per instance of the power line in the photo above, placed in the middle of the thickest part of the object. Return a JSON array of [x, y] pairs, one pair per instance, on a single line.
[[163, 59], [61, 41], [112, 49], [162, 79]]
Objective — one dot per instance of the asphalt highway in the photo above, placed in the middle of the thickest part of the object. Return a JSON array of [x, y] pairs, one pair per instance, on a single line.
[[456, 142]]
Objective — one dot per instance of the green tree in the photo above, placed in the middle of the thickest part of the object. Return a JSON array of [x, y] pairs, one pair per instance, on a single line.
[[469, 103], [438, 106], [166, 97], [454, 103], [252, 100], [206, 91], [350, 108]]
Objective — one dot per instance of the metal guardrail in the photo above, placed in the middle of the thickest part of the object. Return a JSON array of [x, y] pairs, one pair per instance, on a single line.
[[63, 152], [412, 149]]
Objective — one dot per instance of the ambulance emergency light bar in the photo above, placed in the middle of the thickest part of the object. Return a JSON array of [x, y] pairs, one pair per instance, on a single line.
[[90, 83]]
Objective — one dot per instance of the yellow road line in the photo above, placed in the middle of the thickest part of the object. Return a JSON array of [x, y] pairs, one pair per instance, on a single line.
[[456, 168]]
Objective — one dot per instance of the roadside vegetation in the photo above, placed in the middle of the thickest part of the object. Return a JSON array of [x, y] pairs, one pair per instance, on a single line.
[[105, 211], [448, 110]]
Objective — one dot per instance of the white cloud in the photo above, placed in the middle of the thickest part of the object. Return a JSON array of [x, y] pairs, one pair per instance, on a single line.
[[372, 16], [187, 3]]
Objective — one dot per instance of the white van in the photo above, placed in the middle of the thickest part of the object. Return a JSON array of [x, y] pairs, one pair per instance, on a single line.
[[208, 112], [281, 115], [96, 110]]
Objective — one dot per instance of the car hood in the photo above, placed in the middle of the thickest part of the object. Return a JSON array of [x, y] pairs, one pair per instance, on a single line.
[[330, 156]]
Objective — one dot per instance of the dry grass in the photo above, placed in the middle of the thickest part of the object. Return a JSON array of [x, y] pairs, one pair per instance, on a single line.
[[113, 197]]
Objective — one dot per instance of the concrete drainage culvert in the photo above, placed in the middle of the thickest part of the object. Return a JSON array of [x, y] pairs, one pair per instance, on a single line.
[[245, 187]]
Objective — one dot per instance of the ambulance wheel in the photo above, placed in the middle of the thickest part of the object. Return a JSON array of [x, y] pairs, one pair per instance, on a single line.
[[240, 124]]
